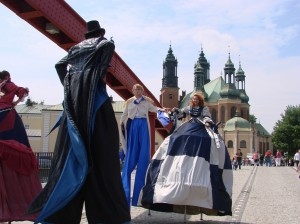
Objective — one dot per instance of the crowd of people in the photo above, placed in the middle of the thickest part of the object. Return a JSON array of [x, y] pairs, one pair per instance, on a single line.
[[267, 159]]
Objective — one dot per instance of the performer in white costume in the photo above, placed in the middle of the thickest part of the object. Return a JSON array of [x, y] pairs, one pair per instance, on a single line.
[[136, 140]]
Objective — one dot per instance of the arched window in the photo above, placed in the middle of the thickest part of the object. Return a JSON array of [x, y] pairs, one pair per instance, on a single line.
[[214, 115], [230, 144], [232, 112], [243, 144], [223, 114]]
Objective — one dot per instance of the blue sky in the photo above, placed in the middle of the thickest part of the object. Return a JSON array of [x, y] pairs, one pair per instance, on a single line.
[[264, 36]]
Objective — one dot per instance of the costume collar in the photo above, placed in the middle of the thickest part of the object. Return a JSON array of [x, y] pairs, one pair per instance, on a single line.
[[137, 101]]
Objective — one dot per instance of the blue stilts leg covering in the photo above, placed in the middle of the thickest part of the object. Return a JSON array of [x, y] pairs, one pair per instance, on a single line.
[[138, 153]]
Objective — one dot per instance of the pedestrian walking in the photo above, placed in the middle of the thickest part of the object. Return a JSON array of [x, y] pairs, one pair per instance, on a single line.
[[239, 157], [297, 159], [235, 163], [268, 155], [255, 158], [278, 158], [261, 159]]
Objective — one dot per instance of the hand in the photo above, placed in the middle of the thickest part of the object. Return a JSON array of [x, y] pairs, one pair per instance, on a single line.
[[14, 103], [208, 121], [174, 109]]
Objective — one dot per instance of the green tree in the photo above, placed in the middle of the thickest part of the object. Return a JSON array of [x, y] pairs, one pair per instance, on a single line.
[[30, 102], [286, 133], [252, 119]]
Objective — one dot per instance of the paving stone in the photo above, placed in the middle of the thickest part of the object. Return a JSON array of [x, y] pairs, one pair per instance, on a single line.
[[272, 195]]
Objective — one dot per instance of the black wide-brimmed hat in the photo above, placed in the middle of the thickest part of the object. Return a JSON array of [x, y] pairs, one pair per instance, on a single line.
[[93, 26]]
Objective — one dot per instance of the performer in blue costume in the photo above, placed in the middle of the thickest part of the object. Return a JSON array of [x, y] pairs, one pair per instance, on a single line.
[[86, 168], [136, 140], [191, 171]]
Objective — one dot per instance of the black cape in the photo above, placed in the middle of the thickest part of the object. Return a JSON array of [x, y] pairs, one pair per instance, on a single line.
[[84, 93]]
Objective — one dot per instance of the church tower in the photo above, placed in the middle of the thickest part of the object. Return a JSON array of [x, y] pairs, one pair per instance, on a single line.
[[169, 92], [230, 101], [205, 65], [240, 84], [201, 74]]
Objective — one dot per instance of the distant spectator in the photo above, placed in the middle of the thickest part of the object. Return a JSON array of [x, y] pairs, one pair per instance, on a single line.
[[239, 156], [268, 155], [234, 162], [247, 161], [286, 161], [261, 159], [297, 159], [255, 158], [278, 158], [291, 162]]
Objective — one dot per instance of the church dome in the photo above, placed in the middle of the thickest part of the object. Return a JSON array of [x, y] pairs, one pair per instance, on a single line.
[[237, 123], [229, 91], [202, 59], [170, 56], [240, 72], [244, 97], [229, 63]]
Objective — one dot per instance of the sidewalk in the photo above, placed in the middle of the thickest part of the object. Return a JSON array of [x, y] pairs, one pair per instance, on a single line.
[[261, 195]]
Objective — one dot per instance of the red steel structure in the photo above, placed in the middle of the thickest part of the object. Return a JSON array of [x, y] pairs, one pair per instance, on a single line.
[[63, 25]]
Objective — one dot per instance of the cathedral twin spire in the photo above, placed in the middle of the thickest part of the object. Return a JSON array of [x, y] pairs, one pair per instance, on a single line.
[[234, 83], [170, 78]]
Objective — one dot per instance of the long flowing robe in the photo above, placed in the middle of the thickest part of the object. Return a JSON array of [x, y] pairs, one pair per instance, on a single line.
[[78, 151], [190, 173], [19, 181]]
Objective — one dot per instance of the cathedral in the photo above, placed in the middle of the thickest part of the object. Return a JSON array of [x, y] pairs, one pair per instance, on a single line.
[[226, 98]]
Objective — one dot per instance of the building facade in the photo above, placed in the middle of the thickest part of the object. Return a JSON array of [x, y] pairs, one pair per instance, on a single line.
[[225, 96], [39, 121]]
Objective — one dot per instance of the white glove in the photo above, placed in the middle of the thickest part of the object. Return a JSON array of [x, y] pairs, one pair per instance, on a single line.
[[208, 121]]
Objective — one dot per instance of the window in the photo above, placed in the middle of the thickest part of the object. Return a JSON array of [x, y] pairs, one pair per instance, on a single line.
[[243, 144], [223, 114], [170, 96], [214, 115], [230, 144], [232, 112]]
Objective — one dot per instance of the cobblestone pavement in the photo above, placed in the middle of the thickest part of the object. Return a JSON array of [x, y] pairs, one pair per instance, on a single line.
[[261, 195]]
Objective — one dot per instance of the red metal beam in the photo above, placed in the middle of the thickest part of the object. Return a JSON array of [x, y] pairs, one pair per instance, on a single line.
[[67, 28]]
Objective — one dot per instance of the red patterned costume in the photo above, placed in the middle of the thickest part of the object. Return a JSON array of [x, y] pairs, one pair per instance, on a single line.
[[19, 182]]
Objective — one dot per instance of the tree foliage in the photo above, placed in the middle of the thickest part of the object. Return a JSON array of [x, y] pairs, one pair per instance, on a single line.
[[30, 102], [286, 133], [252, 119]]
